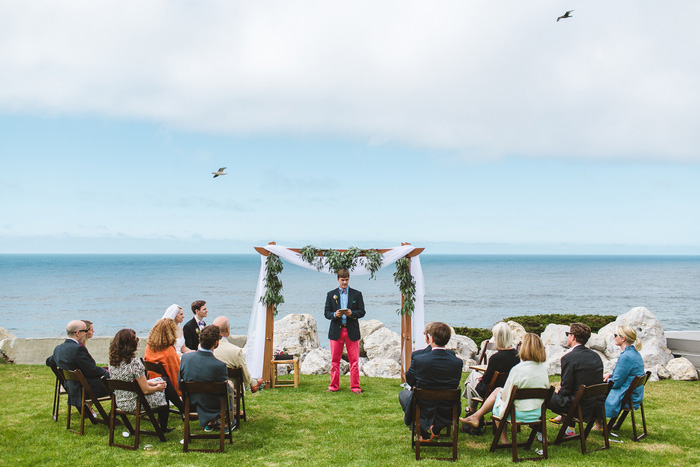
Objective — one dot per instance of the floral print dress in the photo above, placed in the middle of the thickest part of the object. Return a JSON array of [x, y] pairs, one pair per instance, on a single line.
[[126, 400]]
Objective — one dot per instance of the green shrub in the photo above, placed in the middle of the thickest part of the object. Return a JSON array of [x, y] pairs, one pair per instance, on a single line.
[[537, 323]]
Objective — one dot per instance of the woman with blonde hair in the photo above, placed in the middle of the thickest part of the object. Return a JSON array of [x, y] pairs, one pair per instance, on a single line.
[[159, 348], [505, 358], [531, 372], [629, 365]]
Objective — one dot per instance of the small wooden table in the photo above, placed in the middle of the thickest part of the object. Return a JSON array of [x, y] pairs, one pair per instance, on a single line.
[[285, 383]]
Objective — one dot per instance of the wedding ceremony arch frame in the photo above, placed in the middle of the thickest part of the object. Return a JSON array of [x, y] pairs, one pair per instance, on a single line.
[[259, 342]]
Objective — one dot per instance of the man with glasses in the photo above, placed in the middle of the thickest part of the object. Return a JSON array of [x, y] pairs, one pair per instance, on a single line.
[[579, 366], [72, 355]]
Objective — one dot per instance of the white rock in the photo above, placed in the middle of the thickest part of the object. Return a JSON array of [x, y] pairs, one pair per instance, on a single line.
[[681, 369], [518, 332], [596, 342], [554, 354], [554, 335], [383, 344], [344, 367], [661, 372], [317, 362], [464, 348], [382, 368], [360, 363], [366, 329], [297, 333]]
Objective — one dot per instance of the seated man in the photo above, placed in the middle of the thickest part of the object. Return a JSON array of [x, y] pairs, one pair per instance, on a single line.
[[232, 355], [433, 369], [202, 367], [579, 366], [73, 355]]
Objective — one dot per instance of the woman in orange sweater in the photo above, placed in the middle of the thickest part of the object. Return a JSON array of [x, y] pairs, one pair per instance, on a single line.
[[160, 348]]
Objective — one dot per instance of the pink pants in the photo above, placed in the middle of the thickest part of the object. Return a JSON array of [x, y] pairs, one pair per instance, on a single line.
[[353, 356]]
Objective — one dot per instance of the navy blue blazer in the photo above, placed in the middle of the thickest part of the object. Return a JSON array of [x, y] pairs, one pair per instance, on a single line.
[[201, 366], [72, 356], [355, 303], [435, 369]]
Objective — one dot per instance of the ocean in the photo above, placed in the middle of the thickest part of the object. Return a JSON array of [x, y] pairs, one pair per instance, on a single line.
[[41, 293]]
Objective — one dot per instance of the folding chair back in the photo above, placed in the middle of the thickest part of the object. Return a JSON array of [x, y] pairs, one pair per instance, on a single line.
[[575, 416], [86, 395], [142, 406], [628, 407], [446, 395], [486, 351], [59, 390], [508, 416], [218, 388], [236, 375], [159, 369]]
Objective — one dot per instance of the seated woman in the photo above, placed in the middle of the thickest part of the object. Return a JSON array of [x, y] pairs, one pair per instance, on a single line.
[[159, 348], [505, 358], [531, 372], [125, 366], [90, 331], [629, 365], [175, 313]]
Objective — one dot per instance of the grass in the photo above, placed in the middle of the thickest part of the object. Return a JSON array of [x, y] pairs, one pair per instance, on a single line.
[[309, 427]]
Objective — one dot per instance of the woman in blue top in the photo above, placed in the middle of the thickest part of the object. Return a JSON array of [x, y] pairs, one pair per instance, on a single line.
[[629, 365]]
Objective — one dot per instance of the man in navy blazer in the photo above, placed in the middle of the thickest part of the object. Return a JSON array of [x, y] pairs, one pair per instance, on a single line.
[[344, 306], [579, 366], [201, 366], [73, 355], [192, 328], [436, 368]]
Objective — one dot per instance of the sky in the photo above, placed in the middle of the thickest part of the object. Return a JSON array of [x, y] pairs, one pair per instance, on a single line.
[[459, 126]]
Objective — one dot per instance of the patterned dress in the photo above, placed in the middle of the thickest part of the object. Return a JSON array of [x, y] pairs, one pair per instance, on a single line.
[[126, 400]]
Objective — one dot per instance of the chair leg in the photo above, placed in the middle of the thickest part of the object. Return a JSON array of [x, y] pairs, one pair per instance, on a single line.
[[621, 418], [644, 422]]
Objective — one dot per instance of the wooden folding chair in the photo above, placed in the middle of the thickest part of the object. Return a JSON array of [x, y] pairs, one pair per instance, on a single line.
[[60, 389], [218, 388], [236, 375], [446, 395], [159, 369], [575, 416], [508, 417], [142, 408], [628, 407], [86, 395], [489, 346]]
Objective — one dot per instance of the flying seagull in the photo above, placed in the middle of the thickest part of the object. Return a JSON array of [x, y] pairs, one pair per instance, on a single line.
[[219, 172], [565, 15]]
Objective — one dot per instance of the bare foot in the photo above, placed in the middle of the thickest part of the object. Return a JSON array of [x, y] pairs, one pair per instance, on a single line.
[[471, 420]]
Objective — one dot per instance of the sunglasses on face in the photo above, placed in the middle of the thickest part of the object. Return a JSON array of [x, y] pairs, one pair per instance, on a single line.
[[568, 334], [616, 335]]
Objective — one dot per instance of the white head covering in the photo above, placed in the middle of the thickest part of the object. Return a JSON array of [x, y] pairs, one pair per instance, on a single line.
[[171, 312]]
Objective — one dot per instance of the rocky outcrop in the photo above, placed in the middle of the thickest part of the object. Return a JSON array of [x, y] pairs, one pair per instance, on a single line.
[[297, 334], [682, 369]]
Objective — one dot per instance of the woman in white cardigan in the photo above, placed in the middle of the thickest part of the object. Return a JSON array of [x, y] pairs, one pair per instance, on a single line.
[[531, 372]]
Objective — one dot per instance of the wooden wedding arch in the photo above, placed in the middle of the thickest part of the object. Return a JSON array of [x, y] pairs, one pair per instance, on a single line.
[[406, 339]]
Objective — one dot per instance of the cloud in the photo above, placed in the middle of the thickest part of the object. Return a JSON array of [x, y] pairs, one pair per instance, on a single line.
[[481, 79]]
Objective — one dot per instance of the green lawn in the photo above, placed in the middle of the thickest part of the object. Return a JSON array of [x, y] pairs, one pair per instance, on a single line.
[[307, 426]]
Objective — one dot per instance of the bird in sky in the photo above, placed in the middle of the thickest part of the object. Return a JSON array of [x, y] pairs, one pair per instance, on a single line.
[[219, 172], [565, 15]]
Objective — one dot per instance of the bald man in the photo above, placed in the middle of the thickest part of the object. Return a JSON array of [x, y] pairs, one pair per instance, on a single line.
[[232, 355], [72, 355]]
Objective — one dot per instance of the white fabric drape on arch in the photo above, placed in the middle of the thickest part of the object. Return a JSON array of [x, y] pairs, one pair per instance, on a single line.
[[255, 342]]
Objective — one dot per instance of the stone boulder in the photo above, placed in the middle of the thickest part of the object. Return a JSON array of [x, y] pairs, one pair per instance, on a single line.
[[383, 343], [5, 334], [366, 329], [316, 362], [382, 368], [682, 369], [297, 333], [464, 348]]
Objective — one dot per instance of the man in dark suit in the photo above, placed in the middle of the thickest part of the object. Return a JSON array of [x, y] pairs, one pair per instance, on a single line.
[[433, 369], [73, 355], [201, 366], [579, 366], [344, 306], [192, 328]]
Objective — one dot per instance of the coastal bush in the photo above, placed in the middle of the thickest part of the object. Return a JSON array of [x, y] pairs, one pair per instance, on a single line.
[[537, 324]]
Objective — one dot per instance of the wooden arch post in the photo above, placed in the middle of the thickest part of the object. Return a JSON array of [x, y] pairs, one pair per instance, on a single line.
[[406, 339]]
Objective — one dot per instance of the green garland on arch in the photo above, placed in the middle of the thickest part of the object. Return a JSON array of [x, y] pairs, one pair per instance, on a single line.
[[407, 286], [337, 260], [273, 285]]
